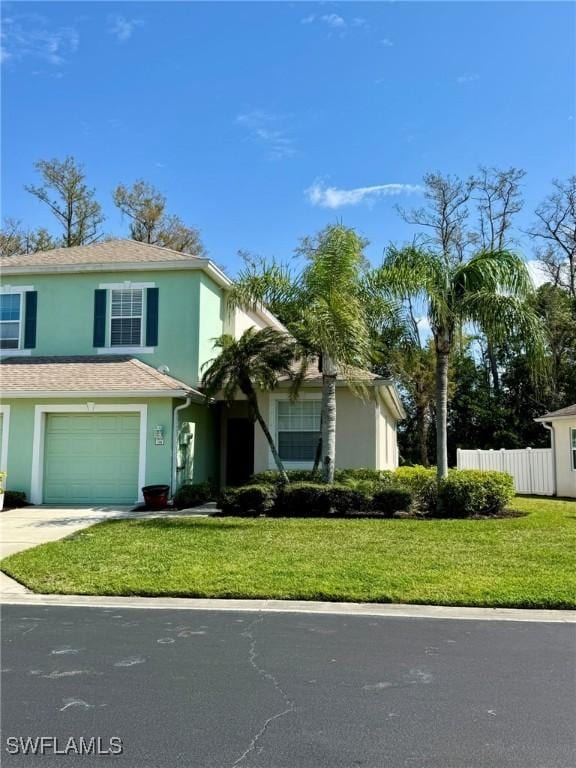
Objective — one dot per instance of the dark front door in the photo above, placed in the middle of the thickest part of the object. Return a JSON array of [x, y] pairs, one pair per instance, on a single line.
[[239, 451]]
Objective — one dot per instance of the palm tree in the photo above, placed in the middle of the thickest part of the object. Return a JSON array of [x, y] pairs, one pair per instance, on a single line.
[[492, 290], [256, 360], [322, 306]]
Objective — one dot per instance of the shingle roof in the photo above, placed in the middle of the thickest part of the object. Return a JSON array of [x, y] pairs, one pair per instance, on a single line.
[[570, 410], [108, 252], [101, 373], [314, 375]]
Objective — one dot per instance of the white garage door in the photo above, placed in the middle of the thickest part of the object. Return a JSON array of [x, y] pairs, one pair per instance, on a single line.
[[91, 458]]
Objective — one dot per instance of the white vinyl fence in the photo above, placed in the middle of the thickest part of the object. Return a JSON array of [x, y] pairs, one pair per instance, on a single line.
[[531, 468]]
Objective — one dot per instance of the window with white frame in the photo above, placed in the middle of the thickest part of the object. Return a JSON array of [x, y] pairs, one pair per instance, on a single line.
[[126, 312], [297, 429], [573, 447], [10, 320]]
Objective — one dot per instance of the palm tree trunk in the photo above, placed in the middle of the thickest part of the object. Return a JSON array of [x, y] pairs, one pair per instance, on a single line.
[[422, 426], [328, 419], [318, 454], [442, 413], [277, 460], [493, 367]]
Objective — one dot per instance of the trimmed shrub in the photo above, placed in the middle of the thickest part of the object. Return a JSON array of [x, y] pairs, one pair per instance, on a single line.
[[344, 500], [14, 499], [248, 500], [319, 500], [272, 477], [303, 500], [193, 495], [349, 476], [389, 500], [468, 492], [422, 482]]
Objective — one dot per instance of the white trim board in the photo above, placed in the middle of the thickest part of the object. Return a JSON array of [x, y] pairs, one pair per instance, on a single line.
[[126, 285], [40, 411], [125, 350], [6, 353], [27, 394], [5, 411], [16, 288]]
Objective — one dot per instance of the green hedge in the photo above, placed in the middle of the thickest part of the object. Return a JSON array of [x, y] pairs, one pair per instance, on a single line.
[[193, 495], [387, 501], [468, 492], [303, 500], [464, 493], [319, 500], [247, 500], [422, 482], [344, 476], [272, 477]]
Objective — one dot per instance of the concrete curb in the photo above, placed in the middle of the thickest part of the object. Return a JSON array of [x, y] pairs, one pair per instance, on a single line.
[[389, 610]]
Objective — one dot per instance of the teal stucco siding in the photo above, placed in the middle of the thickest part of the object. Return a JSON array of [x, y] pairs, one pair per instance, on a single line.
[[22, 435], [190, 315]]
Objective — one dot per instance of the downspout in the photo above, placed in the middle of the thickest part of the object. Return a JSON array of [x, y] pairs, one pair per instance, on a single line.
[[175, 441], [553, 446]]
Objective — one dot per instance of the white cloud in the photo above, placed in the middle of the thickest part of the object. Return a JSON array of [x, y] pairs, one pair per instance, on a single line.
[[122, 28], [31, 35], [333, 20], [468, 77], [537, 272], [386, 42], [266, 128], [332, 197]]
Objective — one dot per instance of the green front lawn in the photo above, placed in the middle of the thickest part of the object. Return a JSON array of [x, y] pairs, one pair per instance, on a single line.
[[516, 562]]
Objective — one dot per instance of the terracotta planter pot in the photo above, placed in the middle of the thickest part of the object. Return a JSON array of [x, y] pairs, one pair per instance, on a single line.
[[156, 496]]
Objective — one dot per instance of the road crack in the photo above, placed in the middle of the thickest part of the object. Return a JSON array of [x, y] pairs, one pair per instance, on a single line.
[[264, 674]]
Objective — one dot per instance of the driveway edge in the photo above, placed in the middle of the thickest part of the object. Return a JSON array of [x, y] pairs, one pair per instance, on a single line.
[[390, 610]]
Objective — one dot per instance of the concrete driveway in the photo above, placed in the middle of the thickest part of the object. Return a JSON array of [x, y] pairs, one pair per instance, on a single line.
[[29, 526]]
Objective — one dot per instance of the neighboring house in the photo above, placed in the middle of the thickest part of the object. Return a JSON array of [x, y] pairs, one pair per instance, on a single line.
[[562, 426], [102, 352]]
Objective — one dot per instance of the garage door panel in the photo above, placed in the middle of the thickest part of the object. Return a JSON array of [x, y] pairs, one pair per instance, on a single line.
[[91, 458]]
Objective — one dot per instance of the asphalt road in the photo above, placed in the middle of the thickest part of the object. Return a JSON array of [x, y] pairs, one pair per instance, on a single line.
[[237, 690]]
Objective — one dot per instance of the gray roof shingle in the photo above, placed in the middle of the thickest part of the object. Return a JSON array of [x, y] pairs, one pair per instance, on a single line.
[[98, 373], [570, 410], [108, 252], [314, 375]]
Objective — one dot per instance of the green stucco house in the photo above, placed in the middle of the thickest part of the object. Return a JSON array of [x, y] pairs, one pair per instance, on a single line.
[[102, 348]]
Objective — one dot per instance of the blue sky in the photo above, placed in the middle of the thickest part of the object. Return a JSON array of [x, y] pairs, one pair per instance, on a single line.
[[262, 122]]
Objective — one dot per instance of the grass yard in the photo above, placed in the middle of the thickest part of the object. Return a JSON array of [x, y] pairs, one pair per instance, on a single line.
[[514, 562]]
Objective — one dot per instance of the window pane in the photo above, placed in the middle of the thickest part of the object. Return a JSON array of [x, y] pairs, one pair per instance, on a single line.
[[127, 302], [300, 416], [297, 446], [125, 332], [10, 306], [574, 438], [9, 335]]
